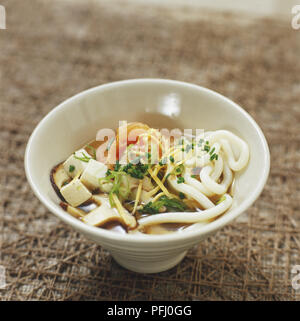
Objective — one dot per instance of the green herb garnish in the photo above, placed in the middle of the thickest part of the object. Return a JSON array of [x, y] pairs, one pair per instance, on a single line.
[[138, 170], [211, 152], [120, 185], [178, 170], [93, 150], [206, 148], [84, 157], [222, 199], [171, 204], [213, 156], [163, 161], [71, 168], [168, 175], [181, 195], [117, 166], [180, 180], [172, 159]]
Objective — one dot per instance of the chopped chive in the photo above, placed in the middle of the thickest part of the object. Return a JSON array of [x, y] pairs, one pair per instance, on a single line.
[[222, 199], [163, 161], [180, 180], [171, 205], [168, 175], [172, 159], [194, 176], [178, 169], [181, 195], [212, 157], [212, 150], [84, 157], [117, 166], [71, 168], [93, 150], [206, 148]]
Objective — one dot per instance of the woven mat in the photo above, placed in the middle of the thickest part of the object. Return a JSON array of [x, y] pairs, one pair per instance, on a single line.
[[54, 49]]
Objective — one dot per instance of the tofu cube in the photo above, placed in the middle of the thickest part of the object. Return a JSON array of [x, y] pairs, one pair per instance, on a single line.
[[74, 166], [75, 193], [92, 173], [106, 187]]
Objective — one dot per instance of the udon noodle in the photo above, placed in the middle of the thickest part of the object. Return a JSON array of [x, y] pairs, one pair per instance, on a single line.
[[147, 181]]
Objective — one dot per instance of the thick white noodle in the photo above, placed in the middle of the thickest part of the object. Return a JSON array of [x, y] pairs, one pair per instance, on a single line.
[[227, 138], [137, 232], [198, 185], [194, 226], [225, 145], [187, 217], [209, 183], [192, 192], [218, 169]]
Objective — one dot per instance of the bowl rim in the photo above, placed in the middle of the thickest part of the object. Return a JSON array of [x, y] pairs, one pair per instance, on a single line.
[[96, 232]]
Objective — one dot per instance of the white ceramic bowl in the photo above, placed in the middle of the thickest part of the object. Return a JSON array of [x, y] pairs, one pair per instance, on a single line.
[[159, 103]]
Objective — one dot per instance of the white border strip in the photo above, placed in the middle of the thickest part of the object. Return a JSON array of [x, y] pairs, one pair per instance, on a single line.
[[2, 17]]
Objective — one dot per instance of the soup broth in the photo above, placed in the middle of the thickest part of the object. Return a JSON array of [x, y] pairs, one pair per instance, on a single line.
[[162, 189]]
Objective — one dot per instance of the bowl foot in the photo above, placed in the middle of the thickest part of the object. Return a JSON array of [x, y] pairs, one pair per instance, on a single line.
[[153, 266]]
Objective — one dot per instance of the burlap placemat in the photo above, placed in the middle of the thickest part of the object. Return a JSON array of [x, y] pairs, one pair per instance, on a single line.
[[54, 49]]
